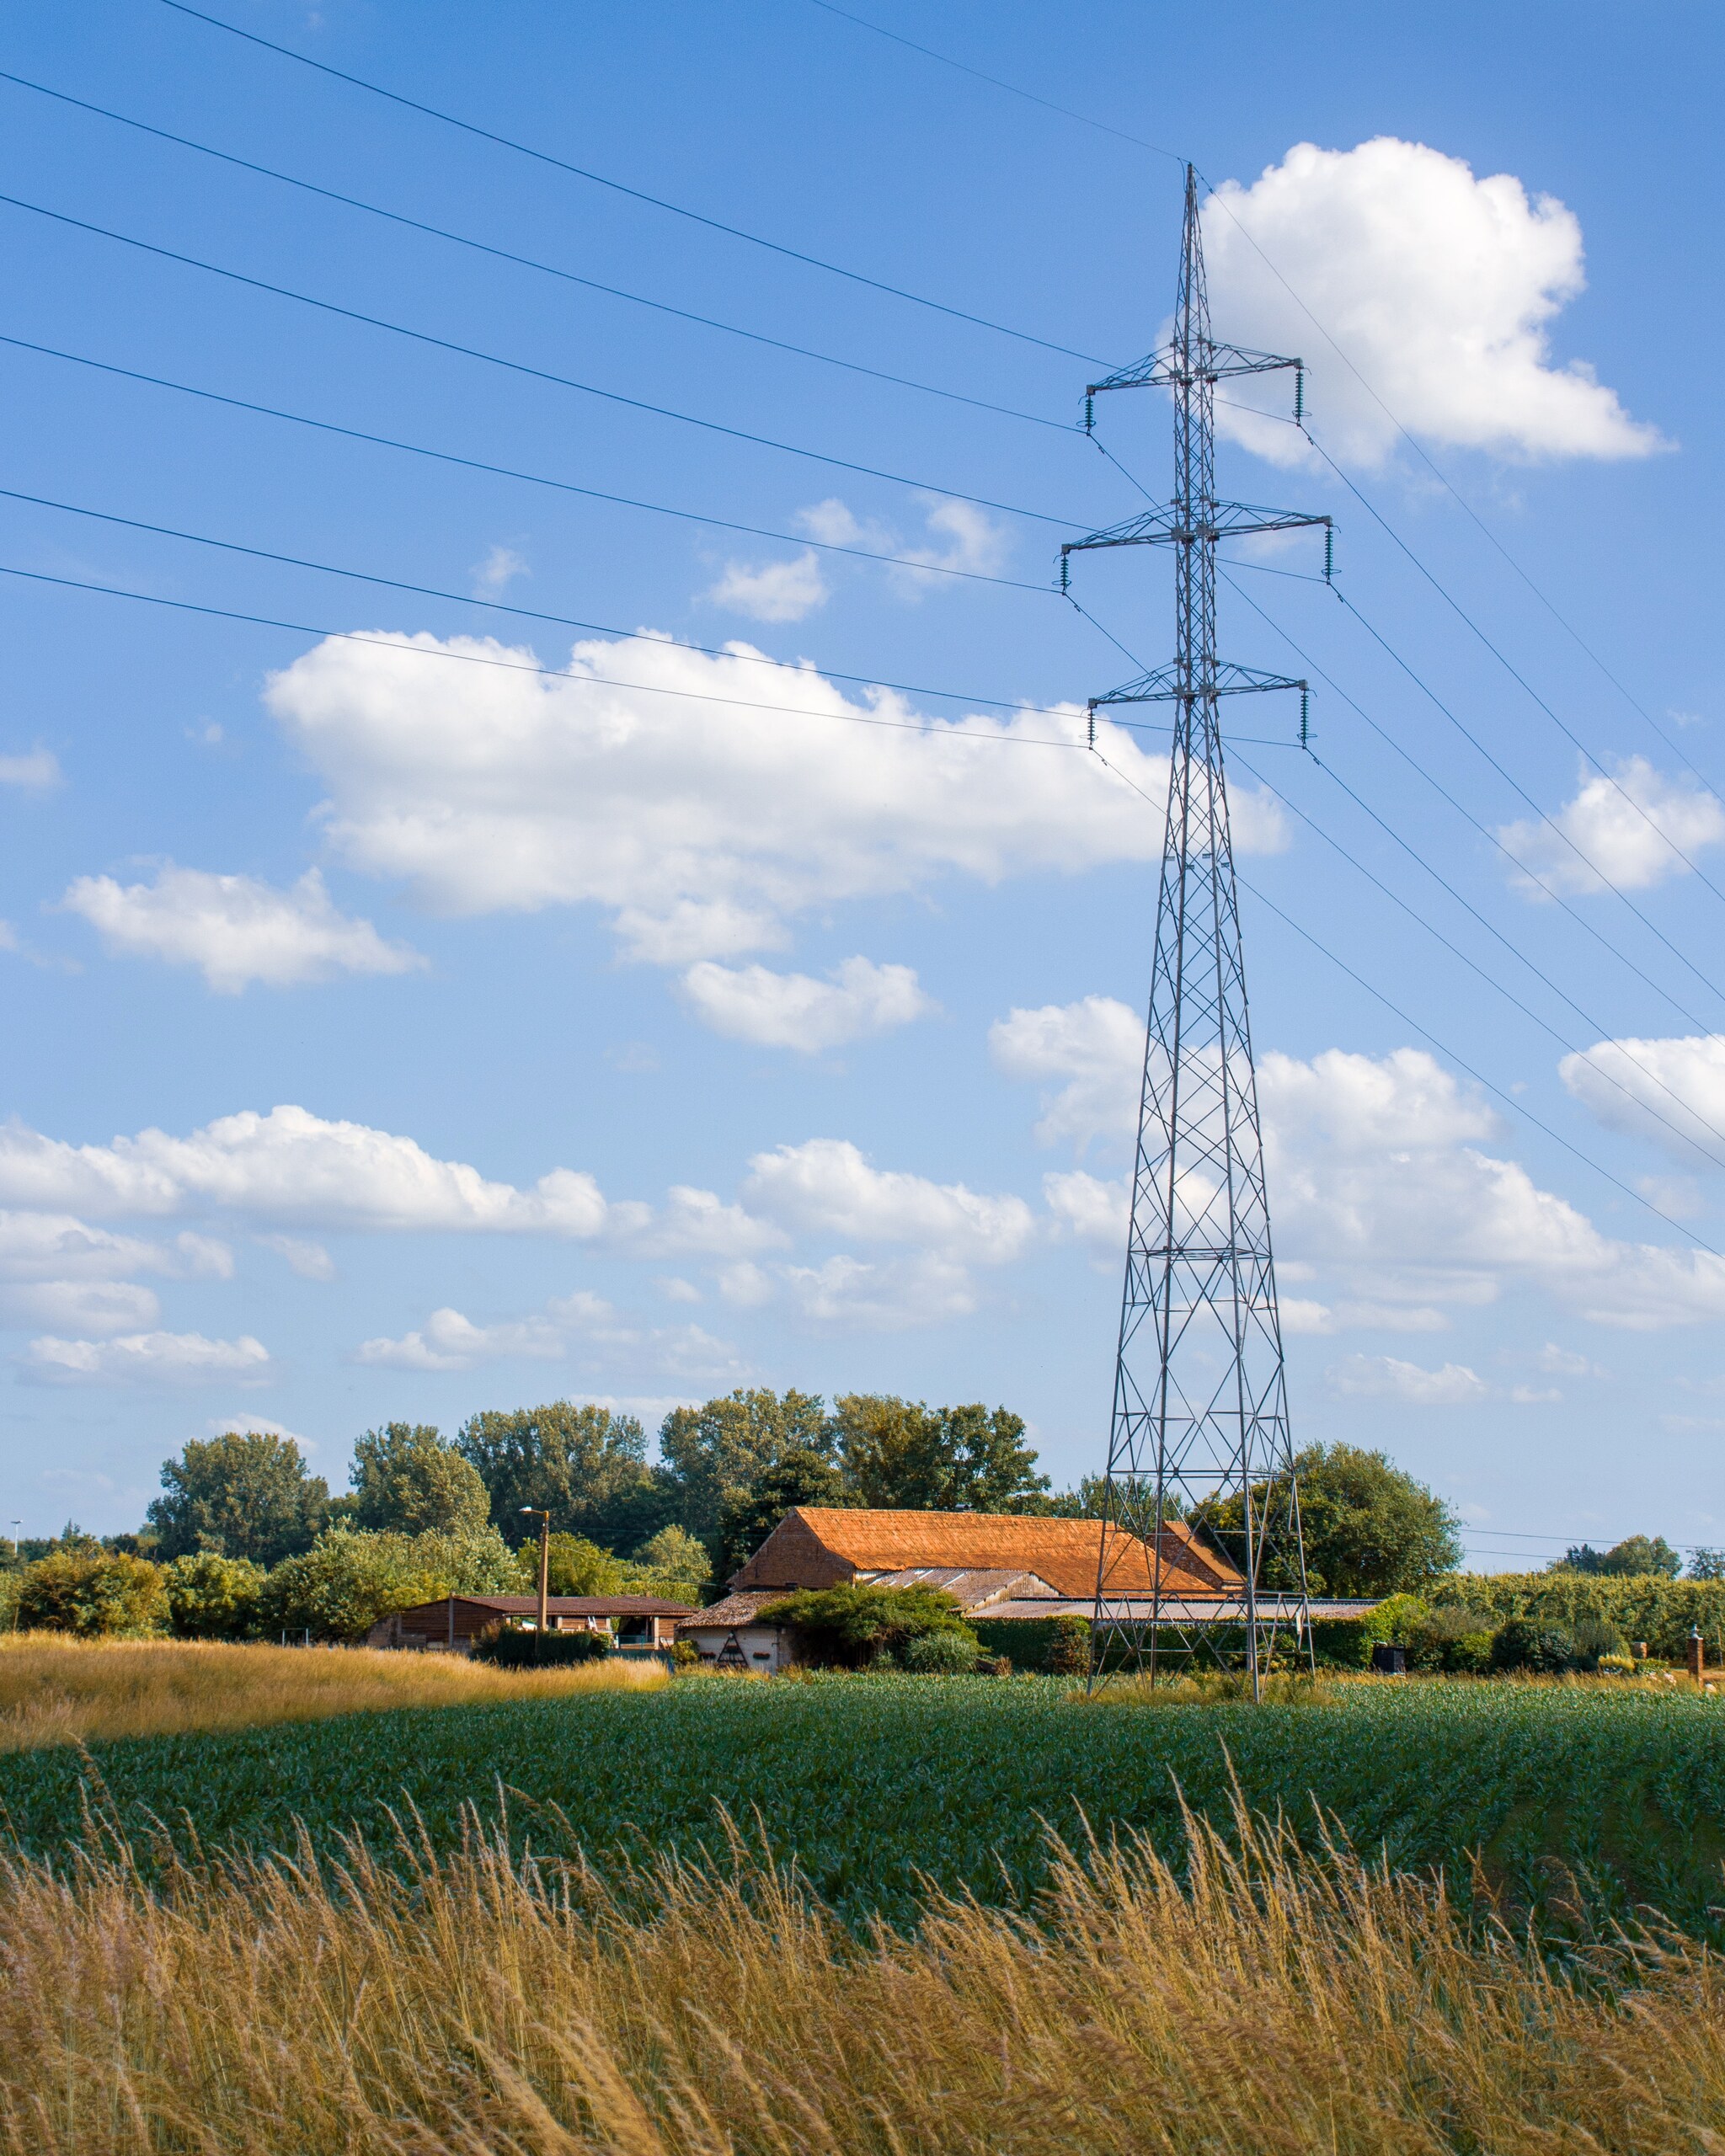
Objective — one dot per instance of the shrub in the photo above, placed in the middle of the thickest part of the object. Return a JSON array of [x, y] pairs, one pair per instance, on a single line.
[[854, 1626], [1617, 1665], [940, 1654], [1391, 1623], [340, 1588], [1526, 1643], [211, 1597], [1069, 1651], [1595, 1638], [95, 1592], [684, 1654], [1456, 1641], [510, 1647], [1649, 1608]]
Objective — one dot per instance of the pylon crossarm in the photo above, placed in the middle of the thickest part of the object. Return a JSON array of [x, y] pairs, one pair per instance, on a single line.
[[1165, 685], [1166, 526], [1171, 368]]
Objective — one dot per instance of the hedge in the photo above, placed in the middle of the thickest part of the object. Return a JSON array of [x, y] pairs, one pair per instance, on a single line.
[[1645, 1607], [1026, 1640]]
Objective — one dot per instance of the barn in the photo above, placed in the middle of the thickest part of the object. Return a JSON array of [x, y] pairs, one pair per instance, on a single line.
[[996, 1564], [453, 1623]]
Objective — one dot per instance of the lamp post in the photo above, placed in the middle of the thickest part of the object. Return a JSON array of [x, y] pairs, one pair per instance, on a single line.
[[544, 1519]]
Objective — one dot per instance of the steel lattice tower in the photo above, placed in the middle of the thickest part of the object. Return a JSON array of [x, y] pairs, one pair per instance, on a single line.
[[1200, 1406]]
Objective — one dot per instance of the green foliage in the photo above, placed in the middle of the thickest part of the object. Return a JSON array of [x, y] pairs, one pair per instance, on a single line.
[[242, 1495], [674, 1558], [1369, 1529], [211, 1597], [406, 1481], [95, 1593], [584, 1465], [1706, 1564], [1633, 1558], [1070, 1649], [852, 1626], [945, 1653], [899, 1452], [1527, 1643], [513, 1648], [716, 1453], [577, 1566], [1594, 1639], [750, 1512], [1652, 1608], [1453, 1640], [339, 1589], [1391, 1624]]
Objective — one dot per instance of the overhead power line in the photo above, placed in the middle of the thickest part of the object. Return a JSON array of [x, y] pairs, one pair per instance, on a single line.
[[510, 472], [521, 367], [528, 262], [633, 194]]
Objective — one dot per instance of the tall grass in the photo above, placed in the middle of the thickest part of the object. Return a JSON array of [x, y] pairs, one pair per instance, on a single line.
[[1261, 2000], [56, 1690]]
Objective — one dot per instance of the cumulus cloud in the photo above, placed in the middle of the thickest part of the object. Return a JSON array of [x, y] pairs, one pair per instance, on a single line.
[[497, 571], [826, 1187], [753, 1003], [1441, 288], [144, 1358], [235, 929], [1671, 1090], [1382, 1377], [960, 536], [772, 591], [310, 1260], [849, 1295], [702, 823], [34, 771], [1380, 1175], [1629, 829], [448, 1341], [90, 1306], [1096, 1046]]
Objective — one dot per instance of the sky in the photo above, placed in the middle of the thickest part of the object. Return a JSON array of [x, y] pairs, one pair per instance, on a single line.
[[729, 967]]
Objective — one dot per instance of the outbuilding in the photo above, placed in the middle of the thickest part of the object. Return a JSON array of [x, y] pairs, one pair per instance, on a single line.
[[451, 1624]]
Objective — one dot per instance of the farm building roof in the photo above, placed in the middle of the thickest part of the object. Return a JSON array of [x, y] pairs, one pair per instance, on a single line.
[[556, 1605], [1061, 1552], [732, 1609]]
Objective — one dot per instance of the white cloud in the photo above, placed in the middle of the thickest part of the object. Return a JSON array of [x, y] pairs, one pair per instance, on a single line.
[[92, 1306], [826, 1187], [257, 1426], [848, 1295], [55, 1247], [1681, 1080], [675, 1289], [691, 1224], [448, 1341], [293, 1165], [1627, 830], [772, 591], [702, 824], [1383, 1377], [961, 537], [144, 1358], [753, 1003], [35, 772], [1442, 290], [1089, 1210], [744, 1285], [498, 569], [1096, 1045], [311, 1260], [234, 928]]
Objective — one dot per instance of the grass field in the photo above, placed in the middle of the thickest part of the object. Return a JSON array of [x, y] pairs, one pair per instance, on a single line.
[[58, 1691], [884, 1788]]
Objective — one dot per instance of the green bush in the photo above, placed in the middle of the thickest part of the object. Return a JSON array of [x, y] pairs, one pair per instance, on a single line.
[[97, 1594], [1458, 1642], [940, 1654], [513, 1648], [1595, 1638], [852, 1626], [1528, 1643], [1069, 1651], [211, 1597], [1392, 1623], [1649, 1606]]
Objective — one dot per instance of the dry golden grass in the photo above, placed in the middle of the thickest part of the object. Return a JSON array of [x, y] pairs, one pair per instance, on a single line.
[[1271, 2003], [57, 1690]]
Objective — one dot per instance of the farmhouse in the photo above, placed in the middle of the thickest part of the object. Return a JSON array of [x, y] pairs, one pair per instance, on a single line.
[[453, 1623], [1004, 1565]]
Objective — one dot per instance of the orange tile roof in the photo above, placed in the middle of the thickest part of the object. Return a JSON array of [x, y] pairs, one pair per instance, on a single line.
[[1064, 1552]]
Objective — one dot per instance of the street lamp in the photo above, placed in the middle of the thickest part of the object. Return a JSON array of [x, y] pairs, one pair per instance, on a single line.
[[544, 1519]]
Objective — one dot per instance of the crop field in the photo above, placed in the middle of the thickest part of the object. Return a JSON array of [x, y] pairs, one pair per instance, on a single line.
[[884, 1789]]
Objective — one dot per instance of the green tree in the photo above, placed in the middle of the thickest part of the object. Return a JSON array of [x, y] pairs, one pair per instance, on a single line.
[[339, 1588], [717, 1452], [95, 1593], [242, 1495], [1706, 1564], [211, 1597], [855, 1625], [675, 1558], [1369, 1529], [406, 1481], [584, 1465], [1636, 1557], [578, 1566], [900, 1453], [750, 1511]]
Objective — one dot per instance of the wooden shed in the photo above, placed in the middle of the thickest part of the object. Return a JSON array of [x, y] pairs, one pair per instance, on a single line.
[[451, 1624]]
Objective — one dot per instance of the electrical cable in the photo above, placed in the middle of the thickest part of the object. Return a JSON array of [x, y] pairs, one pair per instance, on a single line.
[[509, 472], [1514, 674], [521, 367], [1713, 1160], [634, 193], [1484, 829], [1425, 1033], [528, 262]]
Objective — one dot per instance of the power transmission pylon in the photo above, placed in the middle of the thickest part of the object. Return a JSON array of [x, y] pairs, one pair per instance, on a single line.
[[1200, 1407]]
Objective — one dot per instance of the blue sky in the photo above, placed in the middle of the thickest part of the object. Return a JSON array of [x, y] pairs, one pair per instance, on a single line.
[[393, 1032]]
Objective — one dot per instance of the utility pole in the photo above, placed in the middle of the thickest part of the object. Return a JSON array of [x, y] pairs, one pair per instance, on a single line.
[[1200, 1407], [544, 1518]]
